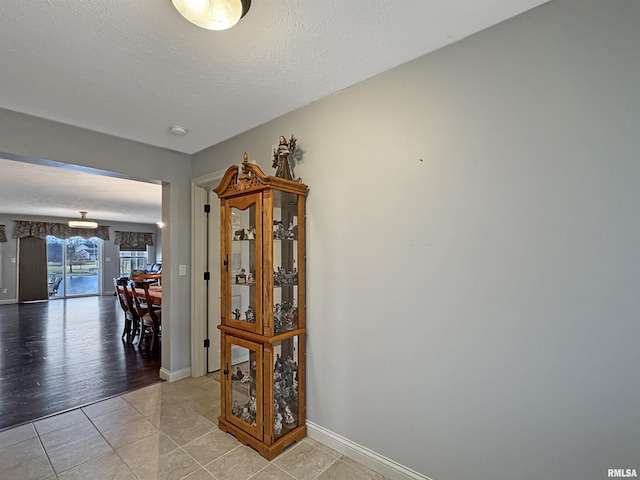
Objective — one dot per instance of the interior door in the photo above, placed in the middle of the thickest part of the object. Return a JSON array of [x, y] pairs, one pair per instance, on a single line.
[[213, 362]]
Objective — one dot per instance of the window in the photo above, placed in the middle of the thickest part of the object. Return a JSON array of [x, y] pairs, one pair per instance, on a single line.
[[73, 266], [132, 260]]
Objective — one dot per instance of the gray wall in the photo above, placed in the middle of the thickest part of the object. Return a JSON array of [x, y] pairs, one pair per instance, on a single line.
[[26, 136], [472, 246]]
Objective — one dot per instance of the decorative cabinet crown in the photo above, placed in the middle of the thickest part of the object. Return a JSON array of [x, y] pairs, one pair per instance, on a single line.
[[249, 177]]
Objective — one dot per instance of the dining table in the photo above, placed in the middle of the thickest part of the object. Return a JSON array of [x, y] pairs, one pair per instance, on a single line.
[[155, 292]]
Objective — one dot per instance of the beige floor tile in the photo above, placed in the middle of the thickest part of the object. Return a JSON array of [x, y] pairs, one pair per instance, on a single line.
[[189, 429], [107, 467], [67, 435], [17, 435], [169, 412], [147, 450], [78, 453], [239, 464], [304, 461], [171, 466], [207, 406], [14, 455], [200, 474], [321, 446], [103, 407], [59, 421], [343, 471], [373, 475], [146, 399], [182, 388], [186, 413], [129, 433], [37, 468], [128, 476], [211, 413], [116, 418], [272, 472], [210, 446]]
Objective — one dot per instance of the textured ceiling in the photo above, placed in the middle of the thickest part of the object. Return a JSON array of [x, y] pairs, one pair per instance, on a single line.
[[62, 192], [131, 68]]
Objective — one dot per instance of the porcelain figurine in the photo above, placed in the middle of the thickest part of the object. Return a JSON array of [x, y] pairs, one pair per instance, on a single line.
[[245, 416], [277, 424], [288, 416]]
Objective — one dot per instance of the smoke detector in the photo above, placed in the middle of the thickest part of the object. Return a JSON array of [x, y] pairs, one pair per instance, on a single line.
[[178, 130]]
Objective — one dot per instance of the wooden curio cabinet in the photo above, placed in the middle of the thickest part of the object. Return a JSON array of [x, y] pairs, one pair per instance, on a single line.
[[262, 326]]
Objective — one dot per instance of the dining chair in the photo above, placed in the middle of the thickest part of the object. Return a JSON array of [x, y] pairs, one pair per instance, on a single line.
[[150, 324], [131, 319]]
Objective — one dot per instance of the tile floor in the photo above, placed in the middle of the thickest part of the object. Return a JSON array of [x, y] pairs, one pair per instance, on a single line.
[[166, 431]]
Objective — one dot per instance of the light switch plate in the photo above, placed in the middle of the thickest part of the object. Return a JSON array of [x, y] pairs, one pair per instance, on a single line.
[[182, 270]]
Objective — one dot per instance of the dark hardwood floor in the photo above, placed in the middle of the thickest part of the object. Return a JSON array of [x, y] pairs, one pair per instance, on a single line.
[[63, 354]]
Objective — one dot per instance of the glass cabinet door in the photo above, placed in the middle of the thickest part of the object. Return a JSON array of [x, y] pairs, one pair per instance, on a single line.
[[285, 261], [243, 267], [244, 385], [286, 394]]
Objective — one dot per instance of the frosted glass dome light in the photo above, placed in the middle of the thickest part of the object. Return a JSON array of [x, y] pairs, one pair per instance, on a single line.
[[213, 14]]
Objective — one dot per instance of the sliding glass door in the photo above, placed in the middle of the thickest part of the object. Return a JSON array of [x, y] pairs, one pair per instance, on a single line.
[[73, 266]]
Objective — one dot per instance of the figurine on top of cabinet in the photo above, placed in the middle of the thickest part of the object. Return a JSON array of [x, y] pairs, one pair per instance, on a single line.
[[281, 157]]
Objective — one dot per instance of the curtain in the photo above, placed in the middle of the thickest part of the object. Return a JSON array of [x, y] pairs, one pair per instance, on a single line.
[[133, 241], [3, 236], [61, 230], [32, 270]]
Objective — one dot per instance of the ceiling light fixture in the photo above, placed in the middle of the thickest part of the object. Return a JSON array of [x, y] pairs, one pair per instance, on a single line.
[[213, 14], [84, 222]]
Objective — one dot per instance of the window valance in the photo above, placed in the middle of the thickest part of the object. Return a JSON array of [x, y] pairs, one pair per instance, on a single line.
[[61, 230], [133, 241], [3, 236]]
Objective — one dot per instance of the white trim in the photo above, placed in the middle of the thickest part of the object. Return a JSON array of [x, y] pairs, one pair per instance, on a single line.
[[362, 455], [175, 375], [210, 179], [8, 301]]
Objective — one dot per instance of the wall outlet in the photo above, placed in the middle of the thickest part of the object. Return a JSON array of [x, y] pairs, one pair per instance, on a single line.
[[107, 259], [4, 290], [182, 270], [13, 260]]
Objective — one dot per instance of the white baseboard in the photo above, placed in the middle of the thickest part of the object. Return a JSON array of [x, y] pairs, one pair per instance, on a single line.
[[362, 455], [176, 375], [8, 301]]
